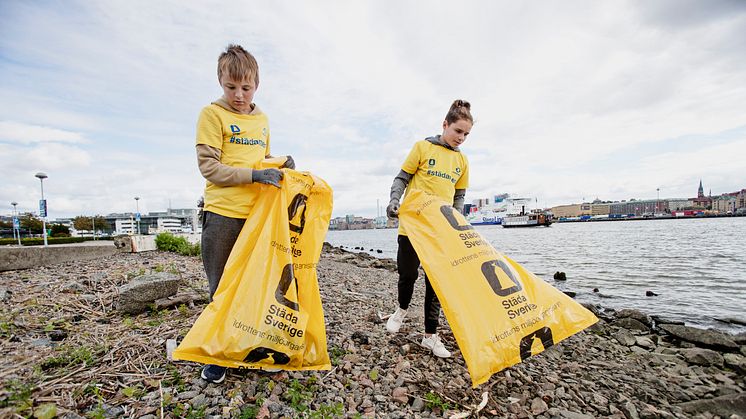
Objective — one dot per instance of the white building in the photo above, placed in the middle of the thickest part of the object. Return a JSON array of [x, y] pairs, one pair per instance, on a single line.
[[125, 226], [168, 224]]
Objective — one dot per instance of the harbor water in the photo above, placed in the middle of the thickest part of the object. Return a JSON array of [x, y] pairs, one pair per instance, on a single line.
[[697, 267]]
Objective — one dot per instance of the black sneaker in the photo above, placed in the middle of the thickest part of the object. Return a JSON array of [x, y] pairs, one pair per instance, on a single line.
[[213, 373]]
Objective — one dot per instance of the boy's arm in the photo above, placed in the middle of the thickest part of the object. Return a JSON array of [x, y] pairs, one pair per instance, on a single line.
[[208, 160]]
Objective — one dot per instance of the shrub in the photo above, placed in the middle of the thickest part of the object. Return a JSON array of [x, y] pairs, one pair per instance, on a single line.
[[170, 243]]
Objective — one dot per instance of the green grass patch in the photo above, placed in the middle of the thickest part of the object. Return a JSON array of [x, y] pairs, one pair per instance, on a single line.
[[433, 401], [18, 396]]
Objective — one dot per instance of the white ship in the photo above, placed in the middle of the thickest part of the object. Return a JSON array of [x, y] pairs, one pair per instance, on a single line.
[[493, 212]]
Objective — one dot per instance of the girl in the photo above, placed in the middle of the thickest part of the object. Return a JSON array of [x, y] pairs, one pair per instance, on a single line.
[[436, 166]]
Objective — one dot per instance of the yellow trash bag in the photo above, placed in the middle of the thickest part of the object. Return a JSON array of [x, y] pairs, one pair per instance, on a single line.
[[267, 309], [499, 312]]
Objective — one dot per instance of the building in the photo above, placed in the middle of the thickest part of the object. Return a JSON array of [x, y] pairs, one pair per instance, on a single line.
[[724, 204], [679, 204], [351, 222], [600, 208], [639, 207], [702, 201], [729, 202], [183, 220], [571, 210]]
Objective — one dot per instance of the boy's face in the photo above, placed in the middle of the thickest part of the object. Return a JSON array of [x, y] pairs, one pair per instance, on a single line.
[[455, 134], [240, 94]]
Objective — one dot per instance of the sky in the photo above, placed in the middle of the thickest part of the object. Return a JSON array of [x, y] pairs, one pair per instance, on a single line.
[[572, 100]]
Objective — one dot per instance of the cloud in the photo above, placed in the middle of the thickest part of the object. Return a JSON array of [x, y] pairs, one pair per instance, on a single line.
[[26, 134], [558, 89]]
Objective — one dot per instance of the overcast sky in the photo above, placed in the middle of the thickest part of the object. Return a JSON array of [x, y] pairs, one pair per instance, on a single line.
[[573, 100]]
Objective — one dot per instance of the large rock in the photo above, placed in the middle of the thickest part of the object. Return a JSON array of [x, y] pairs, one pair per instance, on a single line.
[[701, 337], [624, 337], [634, 314], [702, 356], [723, 406], [631, 324], [735, 362], [144, 290]]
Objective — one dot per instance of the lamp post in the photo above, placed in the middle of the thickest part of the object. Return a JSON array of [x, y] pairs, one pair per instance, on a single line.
[[137, 214], [43, 206], [16, 229]]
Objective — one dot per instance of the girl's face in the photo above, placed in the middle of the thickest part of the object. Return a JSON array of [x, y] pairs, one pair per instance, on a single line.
[[454, 134], [240, 94]]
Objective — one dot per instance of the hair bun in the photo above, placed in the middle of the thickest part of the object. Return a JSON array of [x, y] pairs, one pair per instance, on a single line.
[[458, 103], [460, 109]]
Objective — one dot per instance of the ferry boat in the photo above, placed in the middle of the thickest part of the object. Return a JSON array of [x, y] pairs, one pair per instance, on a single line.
[[532, 219], [493, 213]]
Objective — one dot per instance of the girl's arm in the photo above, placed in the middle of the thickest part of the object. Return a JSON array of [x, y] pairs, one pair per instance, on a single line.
[[397, 190], [458, 200]]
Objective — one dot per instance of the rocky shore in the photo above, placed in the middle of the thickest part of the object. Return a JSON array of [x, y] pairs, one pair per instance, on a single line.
[[69, 351]]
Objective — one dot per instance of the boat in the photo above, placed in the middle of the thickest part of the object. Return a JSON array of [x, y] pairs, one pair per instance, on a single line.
[[493, 213], [532, 219], [483, 218]]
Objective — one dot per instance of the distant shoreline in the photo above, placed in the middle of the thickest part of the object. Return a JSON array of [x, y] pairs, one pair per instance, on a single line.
[[649, 218]]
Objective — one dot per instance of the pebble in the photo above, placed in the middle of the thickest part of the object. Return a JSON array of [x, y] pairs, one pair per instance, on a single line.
[[622, 368]]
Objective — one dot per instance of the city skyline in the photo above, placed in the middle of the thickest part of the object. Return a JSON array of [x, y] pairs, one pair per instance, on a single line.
[[381, 211], [571, 100]]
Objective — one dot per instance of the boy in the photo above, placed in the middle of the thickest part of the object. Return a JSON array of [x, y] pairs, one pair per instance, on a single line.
[[232, 138]]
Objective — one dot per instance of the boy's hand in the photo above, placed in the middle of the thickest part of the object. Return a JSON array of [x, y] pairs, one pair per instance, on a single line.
[[393, 209], [289, 163], [267, 176]]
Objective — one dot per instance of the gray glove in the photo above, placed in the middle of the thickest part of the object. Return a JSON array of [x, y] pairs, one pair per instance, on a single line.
[[267, 176], [289, 163], [393, 209]]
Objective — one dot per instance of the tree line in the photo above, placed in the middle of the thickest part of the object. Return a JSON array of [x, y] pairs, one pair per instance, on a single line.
[[31, 224]]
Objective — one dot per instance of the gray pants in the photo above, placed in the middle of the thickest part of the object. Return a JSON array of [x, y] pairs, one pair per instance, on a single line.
[[219, 234]]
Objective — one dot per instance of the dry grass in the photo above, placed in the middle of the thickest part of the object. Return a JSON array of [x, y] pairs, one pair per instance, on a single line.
[[64, 343]]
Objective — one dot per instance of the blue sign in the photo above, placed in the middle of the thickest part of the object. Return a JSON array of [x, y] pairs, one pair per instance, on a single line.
[[42, 208], [16, 223], [137, 216]]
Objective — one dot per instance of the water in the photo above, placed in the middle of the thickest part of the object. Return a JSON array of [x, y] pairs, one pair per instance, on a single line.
[[696, 266]]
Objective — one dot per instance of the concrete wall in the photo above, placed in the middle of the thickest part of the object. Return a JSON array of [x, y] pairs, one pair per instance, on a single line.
[[13, 258]]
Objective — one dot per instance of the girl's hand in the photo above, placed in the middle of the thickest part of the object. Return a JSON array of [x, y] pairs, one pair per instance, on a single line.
[[393, 209]]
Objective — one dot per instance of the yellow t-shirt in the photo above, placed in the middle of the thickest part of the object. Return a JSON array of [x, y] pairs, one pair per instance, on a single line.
[[244, 142], [436, 170]]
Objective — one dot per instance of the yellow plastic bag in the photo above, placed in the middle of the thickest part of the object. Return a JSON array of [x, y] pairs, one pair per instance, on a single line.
[[267, 309], [499, 312]]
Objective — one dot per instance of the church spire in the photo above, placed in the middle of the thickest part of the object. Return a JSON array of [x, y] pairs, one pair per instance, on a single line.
[[701, 190]]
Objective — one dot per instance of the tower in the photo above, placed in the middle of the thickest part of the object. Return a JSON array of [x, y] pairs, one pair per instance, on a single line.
[[700, 191]]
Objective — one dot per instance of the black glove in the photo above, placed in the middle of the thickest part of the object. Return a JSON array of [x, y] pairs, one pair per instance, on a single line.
[[267, 176], [289, 163], [393, 209]]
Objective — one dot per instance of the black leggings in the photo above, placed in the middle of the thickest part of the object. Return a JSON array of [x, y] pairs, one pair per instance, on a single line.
[[407, 263]]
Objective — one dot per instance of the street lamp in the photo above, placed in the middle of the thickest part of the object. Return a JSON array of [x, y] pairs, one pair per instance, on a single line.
[[16, 230], [43, 206], [137, 214]]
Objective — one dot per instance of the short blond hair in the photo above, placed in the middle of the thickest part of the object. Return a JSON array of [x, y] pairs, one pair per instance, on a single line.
[[238, 64]]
